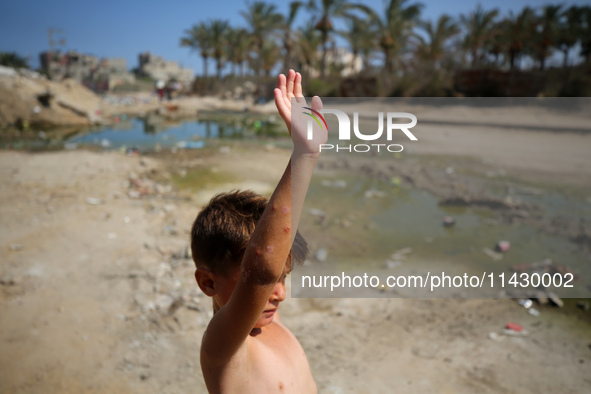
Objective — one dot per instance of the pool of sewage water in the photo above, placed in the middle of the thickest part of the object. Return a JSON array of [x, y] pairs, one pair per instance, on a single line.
[[363, 225]]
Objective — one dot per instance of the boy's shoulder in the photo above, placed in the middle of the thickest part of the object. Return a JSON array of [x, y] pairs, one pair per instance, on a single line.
[[271, 359]]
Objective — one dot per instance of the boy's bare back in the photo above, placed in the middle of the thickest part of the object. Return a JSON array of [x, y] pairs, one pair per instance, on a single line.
[[246, 349]]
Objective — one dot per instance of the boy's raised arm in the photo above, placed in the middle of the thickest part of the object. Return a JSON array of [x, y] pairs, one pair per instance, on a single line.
[[265, 257]]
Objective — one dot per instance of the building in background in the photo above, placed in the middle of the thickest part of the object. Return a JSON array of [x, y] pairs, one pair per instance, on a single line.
[[99, 75], [341, 59], [158, 69]]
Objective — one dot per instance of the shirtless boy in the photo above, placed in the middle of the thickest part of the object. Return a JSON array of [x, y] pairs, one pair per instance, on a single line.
[[246, 348]]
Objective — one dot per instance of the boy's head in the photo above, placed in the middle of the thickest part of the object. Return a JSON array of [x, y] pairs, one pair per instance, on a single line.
[[223, 228], [219, 238]]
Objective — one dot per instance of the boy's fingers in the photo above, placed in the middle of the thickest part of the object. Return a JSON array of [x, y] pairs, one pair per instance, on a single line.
[[290, 83], [281, 83], [297, 89], [284, 111], [279, 102], [316, 103]]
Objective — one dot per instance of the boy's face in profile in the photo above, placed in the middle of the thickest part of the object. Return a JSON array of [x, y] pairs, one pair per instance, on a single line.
[[226, 284]]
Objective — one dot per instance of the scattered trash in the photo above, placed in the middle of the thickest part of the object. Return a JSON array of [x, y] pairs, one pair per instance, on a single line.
[[225, 149], [346, 223], [42, 134], [169, 208], [94, 201], [544, 266], [401, 254], [492, 254], [534, 312], [395, 181], [37, 109], [449, 170], [15, 247], [105, 143], [496, 337], [111, 235], [133, 194], [392, 264], [70, 146], [316, 212], [321, 255], [513, 333], [541, 297], [555, 300], [190, 144], [525, 303], [374, 194], [428, 350], [9, 280], [132, 152], [338, 183], [514, 327], [502, 246], [448, 221]]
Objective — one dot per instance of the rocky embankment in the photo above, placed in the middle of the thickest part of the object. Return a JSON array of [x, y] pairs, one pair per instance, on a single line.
[[28, 98]]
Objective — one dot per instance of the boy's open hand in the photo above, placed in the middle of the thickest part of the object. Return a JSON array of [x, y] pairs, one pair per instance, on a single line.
[[292, 108]]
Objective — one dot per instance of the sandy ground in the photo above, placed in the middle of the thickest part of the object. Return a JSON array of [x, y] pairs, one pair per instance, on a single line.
[[97, 293]]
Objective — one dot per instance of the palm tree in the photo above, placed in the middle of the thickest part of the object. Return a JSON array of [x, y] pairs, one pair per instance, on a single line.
[[585, 33], [569, 31], [361, 38], [517, 32], [288, 40], [263, 20], [237, 49], [269, 57], [309, 39], [480, 27], [199, 38], [547, 33], [395, 27], [433, 48], [218, 30], [330, 9]]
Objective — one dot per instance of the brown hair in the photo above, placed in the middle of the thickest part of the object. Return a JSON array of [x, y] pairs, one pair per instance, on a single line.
[[221, 231]]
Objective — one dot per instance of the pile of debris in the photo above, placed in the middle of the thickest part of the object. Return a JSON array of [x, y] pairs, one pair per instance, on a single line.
[[27, 98]]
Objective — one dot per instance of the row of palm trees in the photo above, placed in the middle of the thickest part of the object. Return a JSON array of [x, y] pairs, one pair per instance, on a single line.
[[394, 39]]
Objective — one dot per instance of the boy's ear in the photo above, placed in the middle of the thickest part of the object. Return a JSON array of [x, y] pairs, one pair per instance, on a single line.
[[205, 279]]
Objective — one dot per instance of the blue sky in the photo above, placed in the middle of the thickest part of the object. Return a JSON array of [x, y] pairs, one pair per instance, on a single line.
[[124, 28]]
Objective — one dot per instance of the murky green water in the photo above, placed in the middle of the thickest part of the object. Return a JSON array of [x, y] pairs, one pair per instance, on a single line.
[[368, 220]]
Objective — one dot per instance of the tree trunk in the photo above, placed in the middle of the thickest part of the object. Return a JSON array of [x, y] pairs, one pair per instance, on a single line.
[[204, 66], [323, 61], [259, 71], [511, 59], [388, 60]]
